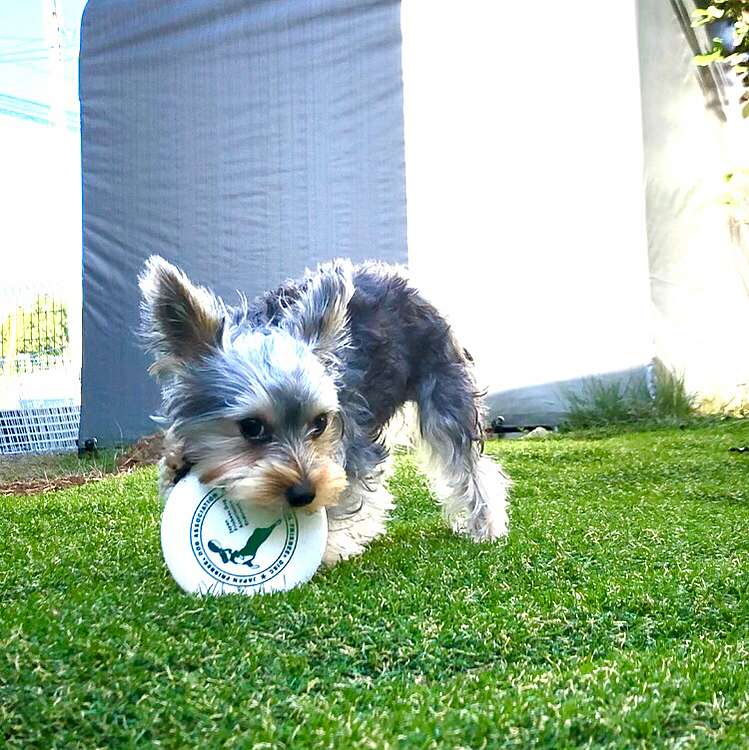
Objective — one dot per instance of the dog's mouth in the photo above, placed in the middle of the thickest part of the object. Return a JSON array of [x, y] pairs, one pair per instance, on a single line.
[[279, 485]]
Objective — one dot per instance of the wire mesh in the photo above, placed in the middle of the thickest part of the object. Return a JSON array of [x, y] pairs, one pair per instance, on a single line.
[[52, 427]]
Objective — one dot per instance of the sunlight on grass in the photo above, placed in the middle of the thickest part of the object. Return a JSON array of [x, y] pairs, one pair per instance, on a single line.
[[614, 615]]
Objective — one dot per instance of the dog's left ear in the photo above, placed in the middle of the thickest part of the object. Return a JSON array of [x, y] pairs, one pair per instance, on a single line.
[[319, 315], [181, 322]]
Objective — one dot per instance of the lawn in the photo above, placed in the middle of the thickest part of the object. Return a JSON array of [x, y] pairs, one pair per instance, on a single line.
[[616, 615]]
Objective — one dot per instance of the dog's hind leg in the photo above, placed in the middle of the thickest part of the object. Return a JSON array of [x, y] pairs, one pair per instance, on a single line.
[[472, 488]]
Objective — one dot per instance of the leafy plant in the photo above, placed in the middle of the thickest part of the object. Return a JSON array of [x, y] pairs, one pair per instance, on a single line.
[[734, 14], [40, 330], [672, 399]]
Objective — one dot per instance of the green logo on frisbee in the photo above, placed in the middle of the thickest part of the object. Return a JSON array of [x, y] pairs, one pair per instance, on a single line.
[[239, 552], [246, 555]]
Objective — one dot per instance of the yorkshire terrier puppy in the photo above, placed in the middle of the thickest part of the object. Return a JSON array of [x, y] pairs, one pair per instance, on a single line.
[[285, 400]]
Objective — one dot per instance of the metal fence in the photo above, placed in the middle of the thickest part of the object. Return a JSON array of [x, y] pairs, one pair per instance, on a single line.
[[40, 363]]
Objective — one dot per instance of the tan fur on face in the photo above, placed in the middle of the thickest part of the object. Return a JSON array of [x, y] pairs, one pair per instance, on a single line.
[[262, 474], [265, 481], [329, 480]]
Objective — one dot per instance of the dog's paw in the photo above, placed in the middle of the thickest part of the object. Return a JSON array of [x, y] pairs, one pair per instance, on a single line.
[[173, 465]]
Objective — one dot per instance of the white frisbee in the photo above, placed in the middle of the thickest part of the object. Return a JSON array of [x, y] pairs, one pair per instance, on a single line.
[[213, 544]]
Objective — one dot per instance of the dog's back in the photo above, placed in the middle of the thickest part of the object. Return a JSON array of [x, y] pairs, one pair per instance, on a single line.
[[396, 337]]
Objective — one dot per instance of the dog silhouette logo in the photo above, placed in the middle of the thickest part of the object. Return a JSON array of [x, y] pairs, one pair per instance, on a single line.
[[237, 545], [246, 555]]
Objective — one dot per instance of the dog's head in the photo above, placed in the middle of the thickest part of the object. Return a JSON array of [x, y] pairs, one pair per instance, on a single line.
[[255, 408]]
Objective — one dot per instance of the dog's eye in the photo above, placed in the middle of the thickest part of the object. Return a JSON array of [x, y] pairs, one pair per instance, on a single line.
[[254, 430], [319, 423]]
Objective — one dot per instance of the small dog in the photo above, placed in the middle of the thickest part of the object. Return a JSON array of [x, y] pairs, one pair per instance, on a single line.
[[285, 400]]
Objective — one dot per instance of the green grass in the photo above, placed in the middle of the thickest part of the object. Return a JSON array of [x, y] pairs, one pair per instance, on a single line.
[[617, 402], [616, 615]]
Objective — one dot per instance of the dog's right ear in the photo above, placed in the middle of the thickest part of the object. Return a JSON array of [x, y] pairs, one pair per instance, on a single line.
[[319, 315], [180, 322]]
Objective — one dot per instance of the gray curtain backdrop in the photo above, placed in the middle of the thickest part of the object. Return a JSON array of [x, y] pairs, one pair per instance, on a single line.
[[243, 140]]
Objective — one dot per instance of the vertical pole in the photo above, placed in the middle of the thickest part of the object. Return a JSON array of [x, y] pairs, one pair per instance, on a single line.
[[10, 354], [53, 42]]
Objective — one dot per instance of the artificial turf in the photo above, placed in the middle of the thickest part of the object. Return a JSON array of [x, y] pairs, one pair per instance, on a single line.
[[615, 615]]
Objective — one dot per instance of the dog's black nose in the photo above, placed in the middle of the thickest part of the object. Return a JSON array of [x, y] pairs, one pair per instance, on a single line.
[[300, 494]]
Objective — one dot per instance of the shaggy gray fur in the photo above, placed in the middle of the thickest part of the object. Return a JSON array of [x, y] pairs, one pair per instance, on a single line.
[[359, 342]]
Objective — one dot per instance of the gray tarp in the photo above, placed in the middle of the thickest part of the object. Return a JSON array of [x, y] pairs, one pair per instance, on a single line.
[[241, 140], [247, 139]]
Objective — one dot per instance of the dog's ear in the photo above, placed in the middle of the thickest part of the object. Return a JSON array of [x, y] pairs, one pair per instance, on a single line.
[[180, 322], [319, 315]]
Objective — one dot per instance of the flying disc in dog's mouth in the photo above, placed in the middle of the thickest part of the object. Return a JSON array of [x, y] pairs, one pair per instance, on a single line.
[[215, 545]]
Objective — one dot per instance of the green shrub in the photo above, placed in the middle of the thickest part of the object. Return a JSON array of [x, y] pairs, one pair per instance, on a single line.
[[613, 402]]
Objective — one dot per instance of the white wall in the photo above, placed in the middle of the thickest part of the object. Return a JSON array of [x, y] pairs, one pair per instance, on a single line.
[[40, 194], [700, 303], [524, 184], [40, 248]]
